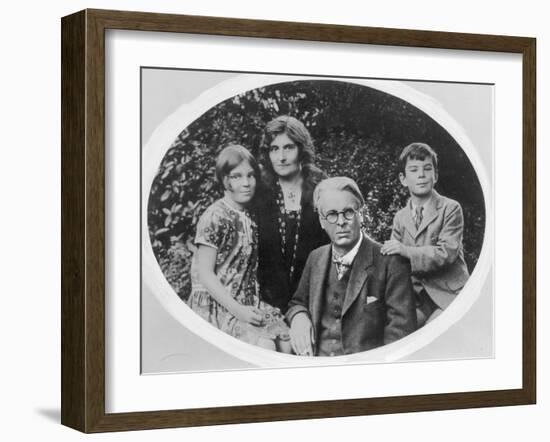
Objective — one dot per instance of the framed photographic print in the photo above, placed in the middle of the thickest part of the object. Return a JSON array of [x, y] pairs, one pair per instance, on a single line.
[[252, 210]]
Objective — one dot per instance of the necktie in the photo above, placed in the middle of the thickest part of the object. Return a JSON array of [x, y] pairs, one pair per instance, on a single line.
[[341, 267], [418, 216]]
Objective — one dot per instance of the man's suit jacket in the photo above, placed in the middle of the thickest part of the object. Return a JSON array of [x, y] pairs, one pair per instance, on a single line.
[[379, 305], [435, 249]]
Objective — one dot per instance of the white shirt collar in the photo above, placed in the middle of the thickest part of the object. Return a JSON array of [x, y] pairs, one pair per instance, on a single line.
[[348, 258]]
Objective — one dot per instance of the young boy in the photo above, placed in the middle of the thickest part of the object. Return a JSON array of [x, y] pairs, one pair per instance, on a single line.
[[428, 232]]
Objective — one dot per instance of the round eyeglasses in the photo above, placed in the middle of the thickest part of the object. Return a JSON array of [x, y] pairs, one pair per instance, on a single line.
[[332, 216]]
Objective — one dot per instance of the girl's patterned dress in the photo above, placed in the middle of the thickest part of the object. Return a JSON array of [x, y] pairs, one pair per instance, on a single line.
[[233, 233]]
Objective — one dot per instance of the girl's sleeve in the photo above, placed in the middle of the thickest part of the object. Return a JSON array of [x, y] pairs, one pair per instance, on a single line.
[[209, 230]]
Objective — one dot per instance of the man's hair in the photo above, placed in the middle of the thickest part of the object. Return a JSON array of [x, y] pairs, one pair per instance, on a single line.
[[230, 157], [417, 151], [341, 183]]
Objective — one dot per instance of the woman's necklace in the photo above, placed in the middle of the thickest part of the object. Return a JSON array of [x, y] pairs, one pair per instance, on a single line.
[[292, 193], [281, 218]]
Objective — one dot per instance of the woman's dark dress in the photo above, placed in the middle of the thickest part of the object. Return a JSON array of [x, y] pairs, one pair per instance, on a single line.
[[277, 285]]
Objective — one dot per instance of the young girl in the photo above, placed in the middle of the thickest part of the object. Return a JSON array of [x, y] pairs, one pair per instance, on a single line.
[[223, 272]]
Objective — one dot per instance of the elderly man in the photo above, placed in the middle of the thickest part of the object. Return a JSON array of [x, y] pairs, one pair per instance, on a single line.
[[350, 297]]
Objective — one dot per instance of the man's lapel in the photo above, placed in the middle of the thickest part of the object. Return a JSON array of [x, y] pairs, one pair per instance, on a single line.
[[363, 260], [430, 212], [317, 295]]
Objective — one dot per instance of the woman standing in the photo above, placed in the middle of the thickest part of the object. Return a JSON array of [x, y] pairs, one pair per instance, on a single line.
[[289, 229]]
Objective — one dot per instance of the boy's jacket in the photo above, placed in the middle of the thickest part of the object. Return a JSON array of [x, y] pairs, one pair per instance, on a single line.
[[435, 249]]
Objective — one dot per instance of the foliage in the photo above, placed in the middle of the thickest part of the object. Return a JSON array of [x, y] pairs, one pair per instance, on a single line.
[[358, 132]]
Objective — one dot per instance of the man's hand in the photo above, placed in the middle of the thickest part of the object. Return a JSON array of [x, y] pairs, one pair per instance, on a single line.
[[394, 247], [301, 335]]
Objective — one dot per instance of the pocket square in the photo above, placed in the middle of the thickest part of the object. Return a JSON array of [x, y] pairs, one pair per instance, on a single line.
[[371, 299]]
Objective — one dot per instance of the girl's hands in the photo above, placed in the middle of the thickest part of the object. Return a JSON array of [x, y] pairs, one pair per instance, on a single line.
[[249, 314]]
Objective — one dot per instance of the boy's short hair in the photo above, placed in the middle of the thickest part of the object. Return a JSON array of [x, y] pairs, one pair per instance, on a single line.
[[417, 151], [341, 183], [230, 157]]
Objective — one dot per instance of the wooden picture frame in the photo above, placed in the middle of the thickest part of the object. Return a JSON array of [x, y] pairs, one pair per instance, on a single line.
[[83, 220]]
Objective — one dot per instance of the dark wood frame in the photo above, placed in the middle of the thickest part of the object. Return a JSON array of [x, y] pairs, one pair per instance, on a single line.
[[83, 220]]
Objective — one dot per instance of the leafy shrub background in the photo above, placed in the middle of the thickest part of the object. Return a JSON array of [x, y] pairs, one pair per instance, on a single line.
[[358, 132]]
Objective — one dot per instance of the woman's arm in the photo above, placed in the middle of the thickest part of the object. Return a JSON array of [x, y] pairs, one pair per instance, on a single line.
[[206, 260]]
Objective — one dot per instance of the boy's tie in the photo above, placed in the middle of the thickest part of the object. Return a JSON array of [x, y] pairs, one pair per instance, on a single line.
[[418, 216]]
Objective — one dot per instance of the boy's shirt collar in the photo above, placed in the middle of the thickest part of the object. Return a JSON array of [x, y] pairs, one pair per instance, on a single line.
[[413, 206]]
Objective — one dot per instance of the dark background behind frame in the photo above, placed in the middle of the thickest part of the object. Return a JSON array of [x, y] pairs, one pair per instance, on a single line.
[[83, 373]]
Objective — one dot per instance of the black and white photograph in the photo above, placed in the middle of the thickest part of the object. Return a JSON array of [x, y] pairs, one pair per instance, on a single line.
[[312, 220]]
